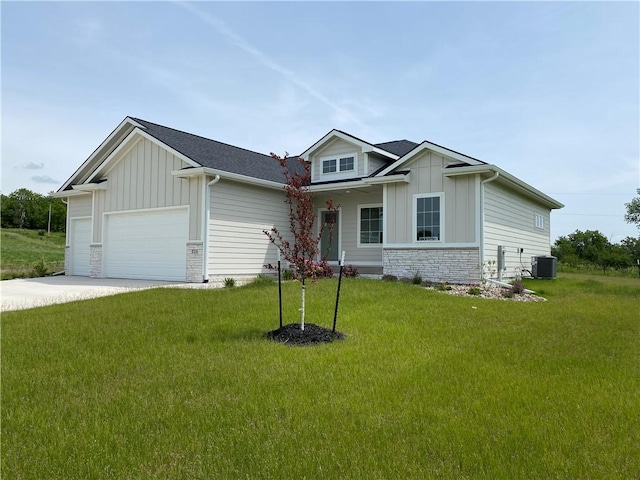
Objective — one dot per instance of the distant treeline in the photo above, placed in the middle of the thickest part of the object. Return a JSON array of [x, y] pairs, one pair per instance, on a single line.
[[594, 249], [26, 209]]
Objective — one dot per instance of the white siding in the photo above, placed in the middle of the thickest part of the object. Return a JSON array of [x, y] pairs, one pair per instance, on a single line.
[[239, 215], [336, 148], [141, 179], [79, 206], [426, 177], [375, 163], [370, 255], [509, 221]]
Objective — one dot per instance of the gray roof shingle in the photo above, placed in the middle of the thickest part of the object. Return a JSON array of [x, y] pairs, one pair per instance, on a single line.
[[398, 147], [220, 156]]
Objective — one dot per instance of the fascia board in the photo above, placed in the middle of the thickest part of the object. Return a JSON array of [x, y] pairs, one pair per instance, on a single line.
[[364, 146], [510, 179], [131, 140], [406, 178], [191, 172], [126, 123], [89, 187], [330, 187], [69, 193], [434, 148]]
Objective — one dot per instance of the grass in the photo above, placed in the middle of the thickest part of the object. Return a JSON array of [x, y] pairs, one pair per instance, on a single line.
[[22, 249], [181, 384]]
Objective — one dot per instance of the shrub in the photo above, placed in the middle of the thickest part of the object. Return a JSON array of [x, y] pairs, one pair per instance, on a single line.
[[350, 271], [260, 280], [517, 288], [229, 282], [427, 283], [417, 279], [389, 278], [474, 290], [443, 287], [40, 269], [286, 275]]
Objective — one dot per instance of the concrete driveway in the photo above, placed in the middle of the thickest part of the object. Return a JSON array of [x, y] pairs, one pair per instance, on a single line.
[[36, 292]]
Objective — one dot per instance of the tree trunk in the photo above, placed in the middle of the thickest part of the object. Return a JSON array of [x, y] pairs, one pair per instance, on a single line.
[[302, 309]]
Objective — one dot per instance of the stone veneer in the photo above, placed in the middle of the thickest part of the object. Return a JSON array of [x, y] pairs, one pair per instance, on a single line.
[[452, 265], [95, 260], [67, 259], [194, 262]]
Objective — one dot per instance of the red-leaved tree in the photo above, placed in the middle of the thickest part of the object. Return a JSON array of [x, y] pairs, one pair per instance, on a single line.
[[303, 251]]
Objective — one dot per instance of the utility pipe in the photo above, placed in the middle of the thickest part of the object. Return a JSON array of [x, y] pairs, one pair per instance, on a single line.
[[482, 184], [205, 227]]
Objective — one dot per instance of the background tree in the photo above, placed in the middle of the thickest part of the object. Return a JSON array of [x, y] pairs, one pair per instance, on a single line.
[[303, 249], [593, 248], [633, 211], [26, 209]]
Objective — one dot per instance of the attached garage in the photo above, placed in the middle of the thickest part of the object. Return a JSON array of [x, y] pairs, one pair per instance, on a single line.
[[80, 240], [149, 244]]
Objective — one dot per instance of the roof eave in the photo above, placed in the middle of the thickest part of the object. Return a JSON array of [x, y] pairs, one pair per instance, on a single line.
[[510, 179]]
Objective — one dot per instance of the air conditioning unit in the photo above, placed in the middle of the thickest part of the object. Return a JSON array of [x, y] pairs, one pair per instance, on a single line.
[[544, 267]]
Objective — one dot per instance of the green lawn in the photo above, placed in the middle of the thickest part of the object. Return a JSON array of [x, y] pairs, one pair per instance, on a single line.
[[180, 384], [21, 250]]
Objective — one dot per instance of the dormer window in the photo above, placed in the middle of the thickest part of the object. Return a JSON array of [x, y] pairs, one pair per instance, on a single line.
[[339, 166], [346, 164]]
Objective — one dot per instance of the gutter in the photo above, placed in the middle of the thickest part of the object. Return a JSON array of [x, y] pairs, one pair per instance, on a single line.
[[205, 227], [482, 184]]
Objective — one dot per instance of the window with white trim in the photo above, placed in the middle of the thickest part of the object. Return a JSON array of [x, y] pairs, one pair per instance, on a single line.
[[539, 221], [370, 225], [340, 166], [428, 218], [329, 166]]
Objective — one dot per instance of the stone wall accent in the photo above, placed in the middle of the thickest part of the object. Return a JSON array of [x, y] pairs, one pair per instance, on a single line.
[[95, 260], [452, 265], [194, 262], [67, 259]]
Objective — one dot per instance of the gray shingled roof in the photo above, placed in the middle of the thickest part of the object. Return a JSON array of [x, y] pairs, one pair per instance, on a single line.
[[218, 155], [397, 147]]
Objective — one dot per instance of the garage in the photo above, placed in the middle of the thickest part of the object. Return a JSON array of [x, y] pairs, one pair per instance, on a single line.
[[80, 240], [146, 245]]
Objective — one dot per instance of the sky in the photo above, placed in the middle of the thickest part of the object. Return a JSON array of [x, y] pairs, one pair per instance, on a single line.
[[548, 91]]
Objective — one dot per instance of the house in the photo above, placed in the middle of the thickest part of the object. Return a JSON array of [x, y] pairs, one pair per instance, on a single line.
[[153, 202]]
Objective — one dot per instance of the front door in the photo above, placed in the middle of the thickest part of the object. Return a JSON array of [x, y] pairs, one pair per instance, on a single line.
[[330, 249]]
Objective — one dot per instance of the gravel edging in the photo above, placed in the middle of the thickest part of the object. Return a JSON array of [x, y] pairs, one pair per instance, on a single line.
[[491, 292]]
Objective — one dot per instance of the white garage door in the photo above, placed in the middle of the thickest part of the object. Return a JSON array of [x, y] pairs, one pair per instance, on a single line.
[[147, 245], [80, 240]]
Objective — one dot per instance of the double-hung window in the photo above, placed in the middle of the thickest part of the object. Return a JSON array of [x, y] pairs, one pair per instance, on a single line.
[[329, 166], [371, 225], [428, 215]]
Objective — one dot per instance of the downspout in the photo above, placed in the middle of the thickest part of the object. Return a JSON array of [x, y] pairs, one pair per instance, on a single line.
[[482, 184], [205, 228]]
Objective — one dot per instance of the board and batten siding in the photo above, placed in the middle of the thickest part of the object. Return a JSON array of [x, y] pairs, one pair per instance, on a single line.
[[336, 148], [239, 214], [460, 202], [77, 207], [369, 255], [509, 221], [141, 180]]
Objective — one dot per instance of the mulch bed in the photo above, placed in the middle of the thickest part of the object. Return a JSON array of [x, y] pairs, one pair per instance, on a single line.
[[311, 335]]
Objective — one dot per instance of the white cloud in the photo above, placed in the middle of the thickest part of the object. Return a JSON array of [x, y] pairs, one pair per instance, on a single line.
[[44, 179], [34, 166]]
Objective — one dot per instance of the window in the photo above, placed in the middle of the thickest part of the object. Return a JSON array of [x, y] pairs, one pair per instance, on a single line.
[[428, 218], [539, 221], [339, 167], [329, 166], [371, 225], [346, 164]]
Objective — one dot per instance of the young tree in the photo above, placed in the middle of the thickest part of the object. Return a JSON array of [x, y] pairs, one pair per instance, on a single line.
[[303, 250], [633, 210]]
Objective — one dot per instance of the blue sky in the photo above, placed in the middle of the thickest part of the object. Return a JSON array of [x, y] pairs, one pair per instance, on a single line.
[[548, 91]]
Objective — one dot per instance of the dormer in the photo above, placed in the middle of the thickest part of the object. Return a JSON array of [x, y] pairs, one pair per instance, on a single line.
[[339, 156]]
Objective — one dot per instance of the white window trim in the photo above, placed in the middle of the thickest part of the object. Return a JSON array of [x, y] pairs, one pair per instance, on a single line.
[[338, 175], [369, 245], [538, 221], [415, 218]]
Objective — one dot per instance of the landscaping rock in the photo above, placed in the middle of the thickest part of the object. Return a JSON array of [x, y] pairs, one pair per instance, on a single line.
[[311, 335]]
